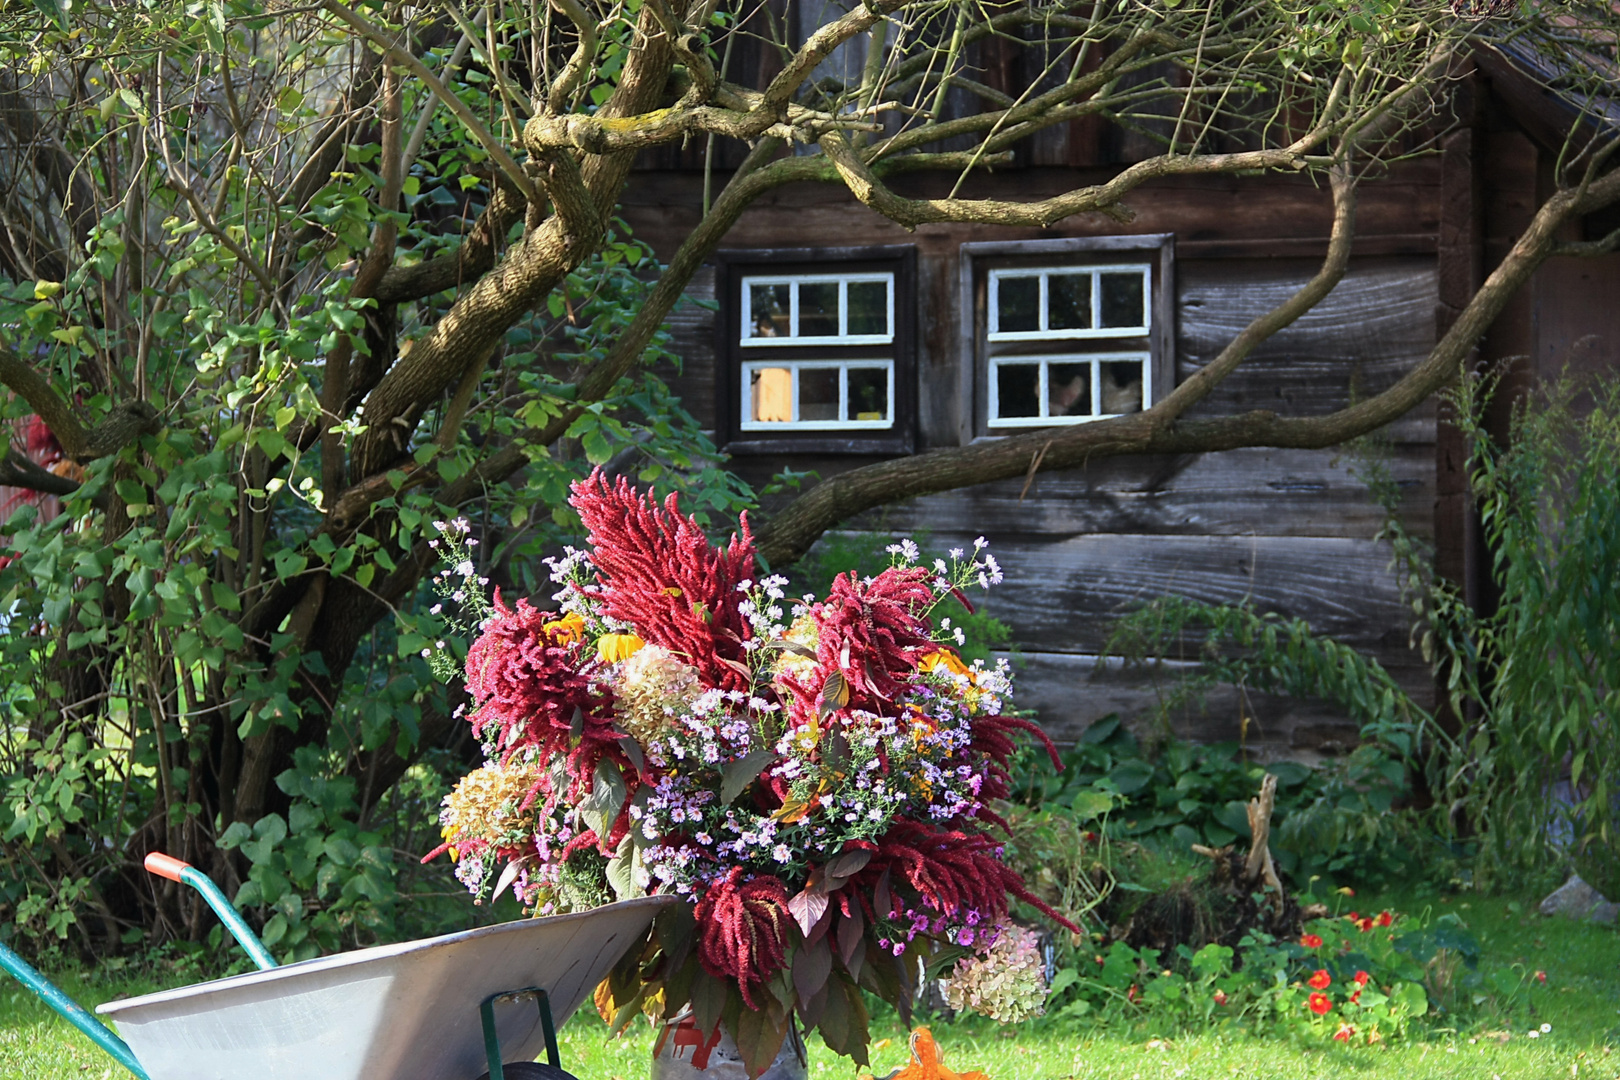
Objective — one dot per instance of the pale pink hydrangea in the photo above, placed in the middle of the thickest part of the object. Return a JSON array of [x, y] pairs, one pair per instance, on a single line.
[[1006, 983]]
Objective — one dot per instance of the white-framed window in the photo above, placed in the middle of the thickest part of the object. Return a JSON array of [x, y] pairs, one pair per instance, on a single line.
[[817, 395], [1055, 302], [1040, 391], [817, 309], [817, 348], [1065, 331]]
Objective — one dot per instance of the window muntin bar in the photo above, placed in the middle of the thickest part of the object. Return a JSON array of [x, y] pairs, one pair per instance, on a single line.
[[817, 395], [1043, 391], [1053, 302], [817, 309]]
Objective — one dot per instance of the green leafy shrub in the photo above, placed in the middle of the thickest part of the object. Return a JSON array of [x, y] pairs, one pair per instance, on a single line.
[[1537, 768], [1332, 820], [136, 681], [1363, 980]]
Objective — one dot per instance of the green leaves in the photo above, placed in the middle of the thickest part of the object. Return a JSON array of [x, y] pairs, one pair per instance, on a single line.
[[740, 773], [601, 807], [844, 1023]]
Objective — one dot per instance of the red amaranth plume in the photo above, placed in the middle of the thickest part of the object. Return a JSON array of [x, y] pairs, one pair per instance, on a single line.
[[871, 632], [530, 682], [666, 579], [744, 931], [951, 871], [994, 736]]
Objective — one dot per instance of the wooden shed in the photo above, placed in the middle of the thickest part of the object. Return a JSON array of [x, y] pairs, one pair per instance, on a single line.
[[833, 337]]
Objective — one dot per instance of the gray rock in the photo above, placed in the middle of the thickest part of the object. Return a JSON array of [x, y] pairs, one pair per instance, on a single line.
[[1604, 914], [1575, 899]]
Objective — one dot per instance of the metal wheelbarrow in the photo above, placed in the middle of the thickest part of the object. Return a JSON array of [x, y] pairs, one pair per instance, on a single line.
[[444, 1008]]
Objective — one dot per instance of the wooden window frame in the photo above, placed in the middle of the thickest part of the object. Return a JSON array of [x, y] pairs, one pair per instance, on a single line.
[[842, 366], [843, 281], [1153, 252], [733, 350], [1095, 272]]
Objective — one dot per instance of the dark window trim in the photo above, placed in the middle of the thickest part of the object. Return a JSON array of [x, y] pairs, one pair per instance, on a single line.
[[975, 359], [732, 266]]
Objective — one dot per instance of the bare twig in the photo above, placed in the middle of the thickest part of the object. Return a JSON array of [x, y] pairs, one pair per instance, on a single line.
[[386, 45]]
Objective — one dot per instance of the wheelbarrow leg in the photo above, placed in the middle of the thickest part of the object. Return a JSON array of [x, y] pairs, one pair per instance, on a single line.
[[71, 1010], [521, 1070]]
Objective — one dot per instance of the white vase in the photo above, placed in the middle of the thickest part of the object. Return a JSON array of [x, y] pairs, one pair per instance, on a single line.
[[685, 1053]]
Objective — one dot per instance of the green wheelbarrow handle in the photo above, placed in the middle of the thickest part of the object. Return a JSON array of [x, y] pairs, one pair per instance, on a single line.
[[71, 1010], [165, 866]]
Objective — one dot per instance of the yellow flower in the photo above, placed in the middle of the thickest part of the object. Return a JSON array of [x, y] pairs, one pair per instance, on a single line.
[[614, 648], [808, 736], [921, 727], [943, 660], [571, 627]]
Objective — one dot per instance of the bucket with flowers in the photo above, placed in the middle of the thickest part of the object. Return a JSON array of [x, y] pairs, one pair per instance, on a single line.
[[816, 777]]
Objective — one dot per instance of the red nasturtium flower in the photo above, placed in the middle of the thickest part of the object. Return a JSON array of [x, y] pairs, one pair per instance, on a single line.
[[1541, 976], [1320, 1004], [1311, 941], [1220, 997], [1365, 924], [1320, 980], [1344, 1033], [1361, 978], [1385, 918]]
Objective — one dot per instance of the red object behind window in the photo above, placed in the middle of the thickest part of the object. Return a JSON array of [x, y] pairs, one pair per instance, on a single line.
[[34, 439]]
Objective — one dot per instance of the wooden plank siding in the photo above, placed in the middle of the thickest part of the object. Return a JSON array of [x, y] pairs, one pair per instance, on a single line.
[[1250, 492], [1289, 530], [1071, 692]]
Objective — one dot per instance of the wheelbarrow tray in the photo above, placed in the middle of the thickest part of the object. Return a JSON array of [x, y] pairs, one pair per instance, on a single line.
[[394, 1012]]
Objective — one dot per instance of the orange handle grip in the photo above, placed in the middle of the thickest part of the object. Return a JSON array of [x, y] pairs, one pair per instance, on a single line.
[[166, 866]]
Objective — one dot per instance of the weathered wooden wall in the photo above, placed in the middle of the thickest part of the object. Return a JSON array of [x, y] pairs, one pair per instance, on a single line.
[[1287, 530], [1290, 531]]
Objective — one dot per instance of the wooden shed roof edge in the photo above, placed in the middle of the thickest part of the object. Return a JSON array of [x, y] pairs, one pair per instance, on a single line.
[[1526, 81]]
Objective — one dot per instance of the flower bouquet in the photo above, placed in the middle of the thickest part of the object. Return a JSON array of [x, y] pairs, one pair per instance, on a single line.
[[815, 777]]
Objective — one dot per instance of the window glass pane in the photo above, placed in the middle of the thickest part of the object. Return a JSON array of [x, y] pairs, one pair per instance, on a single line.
[[768, 309], [771, 395], [1068, 299], [818, 309], [818, 392], [1068, 390], [1018, 390], [869, 307], [868, 393], [1121, 386], [1122, 300], [1017, 299]]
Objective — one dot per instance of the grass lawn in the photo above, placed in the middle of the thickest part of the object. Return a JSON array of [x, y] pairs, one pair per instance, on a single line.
[[1580, 1000]]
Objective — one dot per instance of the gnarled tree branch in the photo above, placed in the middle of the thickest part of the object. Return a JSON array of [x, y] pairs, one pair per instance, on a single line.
[[788, 535], [58, 415]]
